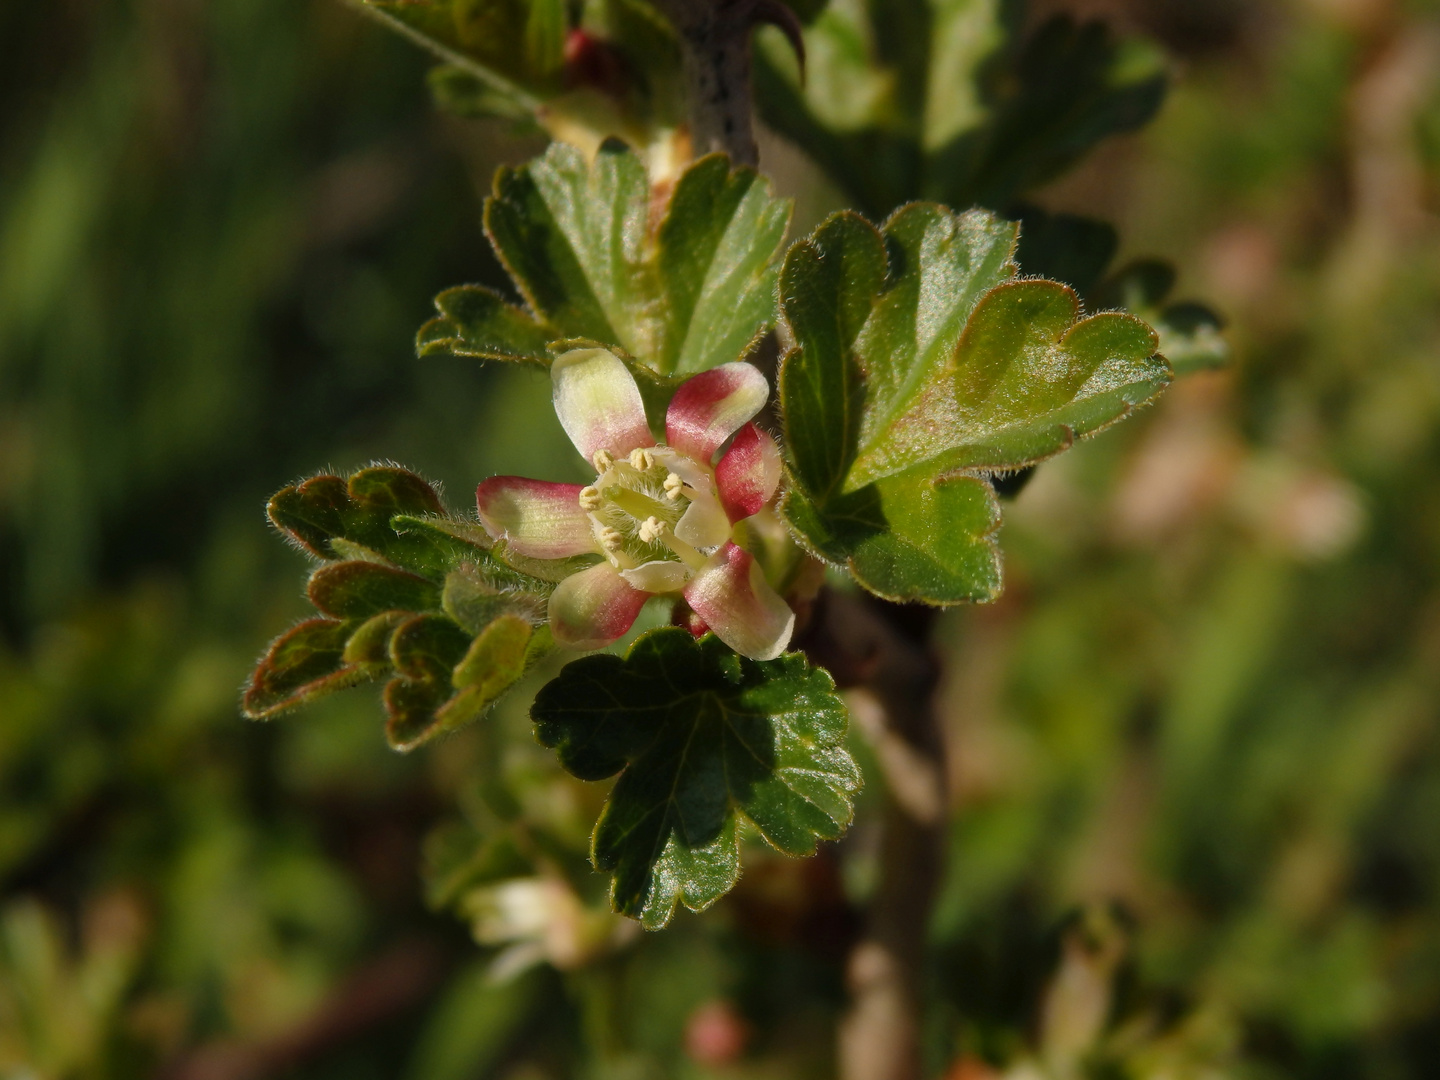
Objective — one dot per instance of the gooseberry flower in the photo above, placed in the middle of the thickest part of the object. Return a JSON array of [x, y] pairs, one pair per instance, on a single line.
[[663, 515]]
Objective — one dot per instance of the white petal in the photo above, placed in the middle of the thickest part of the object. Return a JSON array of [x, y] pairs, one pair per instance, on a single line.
[[598, 403], [591, 609], [537, 518], [704, 524], [733, 598], [658, 576]]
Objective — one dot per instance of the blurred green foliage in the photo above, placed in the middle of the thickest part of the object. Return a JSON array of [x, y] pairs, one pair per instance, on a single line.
[[1209, 696]]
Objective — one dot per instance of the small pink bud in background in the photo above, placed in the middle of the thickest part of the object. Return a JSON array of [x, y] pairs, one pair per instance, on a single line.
[[593, 62], [716, 1034]]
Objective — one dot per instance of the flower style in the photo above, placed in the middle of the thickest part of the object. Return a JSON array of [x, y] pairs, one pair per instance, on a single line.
[[662, 515]]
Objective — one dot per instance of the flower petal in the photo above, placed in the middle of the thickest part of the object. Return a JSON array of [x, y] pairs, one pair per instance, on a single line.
[[598, 403], [658, 576], [704, 524], [749, 473], [731, 594], [591, 609], [537, 518], [708, 408]]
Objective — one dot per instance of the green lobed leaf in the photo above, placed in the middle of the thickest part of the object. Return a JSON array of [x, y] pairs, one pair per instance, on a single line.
[[410, 593], [703, 739], [920, 364], [678, 291]]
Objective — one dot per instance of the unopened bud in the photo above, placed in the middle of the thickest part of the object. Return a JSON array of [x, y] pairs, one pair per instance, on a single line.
[[603, 460], [590, 498]]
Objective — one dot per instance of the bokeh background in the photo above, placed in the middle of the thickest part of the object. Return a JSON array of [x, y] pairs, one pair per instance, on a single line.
[[1204, 720]]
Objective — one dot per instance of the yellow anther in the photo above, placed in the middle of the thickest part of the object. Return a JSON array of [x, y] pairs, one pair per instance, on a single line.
[[673, 487], [590, 498], [611, 538], [651, 530], [602, 461], [641, 459]]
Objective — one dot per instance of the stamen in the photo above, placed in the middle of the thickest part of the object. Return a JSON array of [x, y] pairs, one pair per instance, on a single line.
[[641, 459], [590, 498], [611, 539], [652, 529], [683, 551], [603, 461], [673, 487]]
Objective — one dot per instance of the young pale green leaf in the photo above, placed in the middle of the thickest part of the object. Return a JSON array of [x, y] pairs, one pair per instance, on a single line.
[[702, 739], [921, 362], [679, 291]]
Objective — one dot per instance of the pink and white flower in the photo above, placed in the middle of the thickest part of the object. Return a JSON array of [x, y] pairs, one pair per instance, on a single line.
[[662, 514]]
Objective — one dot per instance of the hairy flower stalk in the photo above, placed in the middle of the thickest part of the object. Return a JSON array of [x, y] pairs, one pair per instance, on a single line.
[[662, 515]]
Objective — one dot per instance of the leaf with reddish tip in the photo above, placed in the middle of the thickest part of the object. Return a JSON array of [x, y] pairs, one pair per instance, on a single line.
[[324, 509], [424, 652], [414, 593], [302, 664], [358, 590]]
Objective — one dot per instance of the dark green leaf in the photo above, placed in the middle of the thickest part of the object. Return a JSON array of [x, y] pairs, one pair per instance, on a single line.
[[918, 359], [703, 739], [324, 509], [1066, 88]]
